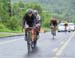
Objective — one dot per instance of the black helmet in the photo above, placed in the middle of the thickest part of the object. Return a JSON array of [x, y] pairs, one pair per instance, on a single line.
[[29, 11]]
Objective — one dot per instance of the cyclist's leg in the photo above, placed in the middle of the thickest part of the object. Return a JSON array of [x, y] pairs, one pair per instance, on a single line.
[[33, 37], [28, 46], [37, 31], [25, 34], [52, 32], [36, 38], [28, 37], [55, 30], [65, 28]]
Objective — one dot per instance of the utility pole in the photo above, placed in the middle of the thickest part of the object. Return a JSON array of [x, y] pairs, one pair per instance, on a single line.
[[10, 8]]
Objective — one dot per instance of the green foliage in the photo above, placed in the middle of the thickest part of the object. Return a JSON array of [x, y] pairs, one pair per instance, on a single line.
[[36, 7], [4, 9], [60, 8], [45, 19], [14, 23], [3, 28]]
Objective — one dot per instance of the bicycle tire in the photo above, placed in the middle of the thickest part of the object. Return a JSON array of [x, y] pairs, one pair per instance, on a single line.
[[53, 33], [29, 43]]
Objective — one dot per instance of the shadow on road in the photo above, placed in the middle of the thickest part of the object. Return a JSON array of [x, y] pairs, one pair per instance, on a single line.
[[29, 55], [54, 38]]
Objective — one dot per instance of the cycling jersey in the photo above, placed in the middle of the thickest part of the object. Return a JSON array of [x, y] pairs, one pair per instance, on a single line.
[[30, 21], [53, 22]]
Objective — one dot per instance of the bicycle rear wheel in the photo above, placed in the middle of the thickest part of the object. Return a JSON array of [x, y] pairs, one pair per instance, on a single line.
[[53, 33], [35, 42], [28, 47], [29, 42]]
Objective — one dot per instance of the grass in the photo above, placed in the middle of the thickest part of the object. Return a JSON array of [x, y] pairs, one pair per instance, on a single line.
[[11, 31], [46, 29], [5, 35], [9, 34]]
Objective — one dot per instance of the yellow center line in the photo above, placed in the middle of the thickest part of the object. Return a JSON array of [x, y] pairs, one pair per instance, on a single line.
[[62, 42], [64, 46], [55, 50], [59, 51]]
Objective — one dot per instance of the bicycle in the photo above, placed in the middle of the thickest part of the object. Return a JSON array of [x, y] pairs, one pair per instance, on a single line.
[[53, 31], [30, 43]]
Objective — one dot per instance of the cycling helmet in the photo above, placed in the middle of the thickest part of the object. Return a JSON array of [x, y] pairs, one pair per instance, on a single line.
[[35, 12], [29, 11], [66, 23]]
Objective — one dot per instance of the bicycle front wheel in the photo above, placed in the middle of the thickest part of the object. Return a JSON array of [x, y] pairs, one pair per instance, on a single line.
[[29, 42]]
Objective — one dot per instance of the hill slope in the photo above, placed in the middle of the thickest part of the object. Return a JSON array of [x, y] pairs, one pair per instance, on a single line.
[[57, 6]]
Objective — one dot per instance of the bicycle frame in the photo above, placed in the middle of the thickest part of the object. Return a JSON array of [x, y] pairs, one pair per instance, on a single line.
[[53, 31], [33, 32], [31, 35]]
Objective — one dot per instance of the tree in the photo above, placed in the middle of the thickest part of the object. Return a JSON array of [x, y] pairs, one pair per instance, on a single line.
[[4, 15]]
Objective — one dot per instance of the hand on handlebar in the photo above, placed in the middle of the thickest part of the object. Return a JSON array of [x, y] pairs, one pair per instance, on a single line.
[[37, 25], [26, 26]]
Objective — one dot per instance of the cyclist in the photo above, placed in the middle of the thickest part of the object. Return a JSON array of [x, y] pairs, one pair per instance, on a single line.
[[53, 23], [66, 24], [29, 20], [38, 23]]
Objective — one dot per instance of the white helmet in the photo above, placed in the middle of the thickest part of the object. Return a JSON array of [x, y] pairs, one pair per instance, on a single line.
[[35, 12]]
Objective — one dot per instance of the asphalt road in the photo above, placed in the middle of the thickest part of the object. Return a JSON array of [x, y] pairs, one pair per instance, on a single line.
[[63, 46]]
